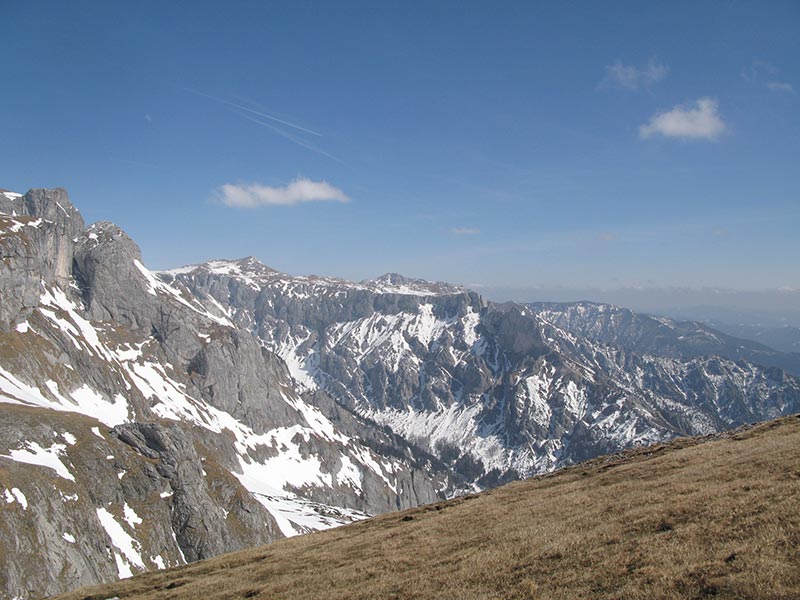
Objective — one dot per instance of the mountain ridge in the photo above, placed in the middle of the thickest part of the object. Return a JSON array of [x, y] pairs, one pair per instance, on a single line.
[[649, 333], [328, 330], [161, 418]]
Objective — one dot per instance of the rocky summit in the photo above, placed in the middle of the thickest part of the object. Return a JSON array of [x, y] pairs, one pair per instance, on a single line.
[[152, 419]]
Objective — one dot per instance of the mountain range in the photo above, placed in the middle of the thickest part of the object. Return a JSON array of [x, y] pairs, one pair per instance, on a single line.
[[149, 419]]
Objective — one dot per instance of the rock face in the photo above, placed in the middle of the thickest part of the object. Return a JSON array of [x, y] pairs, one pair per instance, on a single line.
[[84, 503], [658, 336], [149, 419], [63, 223], [140, 430], [494, 391], [36, 233]]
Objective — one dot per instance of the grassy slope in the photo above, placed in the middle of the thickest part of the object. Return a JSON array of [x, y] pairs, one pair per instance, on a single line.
[[680, 520]]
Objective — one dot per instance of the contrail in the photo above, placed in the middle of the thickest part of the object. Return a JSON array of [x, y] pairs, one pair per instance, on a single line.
[[290, 137], [250, 110]]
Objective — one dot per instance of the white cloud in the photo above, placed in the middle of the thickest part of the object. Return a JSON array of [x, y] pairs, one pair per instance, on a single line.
[[607, 236], [698, 121], [465, 231], [631, 78], [298, 191], [780, 86]]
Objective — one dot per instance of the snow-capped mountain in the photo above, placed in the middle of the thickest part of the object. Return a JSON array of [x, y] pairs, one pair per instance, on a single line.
[[659, 336], [495, 391], [150, 419], [139, 429]]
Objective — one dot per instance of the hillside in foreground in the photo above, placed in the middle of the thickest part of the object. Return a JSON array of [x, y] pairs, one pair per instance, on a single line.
[[700, 517]]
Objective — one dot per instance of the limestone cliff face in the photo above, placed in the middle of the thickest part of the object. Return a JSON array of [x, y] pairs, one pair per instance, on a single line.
[[36, 244], [496, 391], [112, 501], [140, 430]]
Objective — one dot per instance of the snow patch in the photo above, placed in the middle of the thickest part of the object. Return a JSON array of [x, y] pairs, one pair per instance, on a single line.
[[122, 541], [33, 454], [349, 474], [89, 402], [296, 516], [15, 494], [471, 320], [154, 285], [130, 516], [20, 497]]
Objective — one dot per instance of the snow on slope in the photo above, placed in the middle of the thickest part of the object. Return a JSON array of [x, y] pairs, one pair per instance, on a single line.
[[33, 454], [272, 481], [444, 369]]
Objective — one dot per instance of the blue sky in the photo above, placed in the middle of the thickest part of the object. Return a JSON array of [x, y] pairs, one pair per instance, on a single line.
[[527, 145]]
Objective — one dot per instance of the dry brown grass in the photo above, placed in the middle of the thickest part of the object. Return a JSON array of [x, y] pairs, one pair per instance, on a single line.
[[681, 520]]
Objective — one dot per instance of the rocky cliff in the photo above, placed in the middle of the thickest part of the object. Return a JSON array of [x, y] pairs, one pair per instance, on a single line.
[[494, 391], [140, 430]]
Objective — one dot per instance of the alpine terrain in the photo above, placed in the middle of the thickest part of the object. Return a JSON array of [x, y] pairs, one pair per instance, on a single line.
[[154, 419], [693, 518]]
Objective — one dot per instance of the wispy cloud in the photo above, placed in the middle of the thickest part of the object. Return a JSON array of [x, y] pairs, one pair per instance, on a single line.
[[760, 72], [465, 231], [780, 86], [299, 191], [698, 121], [631, 78], [607, 236]]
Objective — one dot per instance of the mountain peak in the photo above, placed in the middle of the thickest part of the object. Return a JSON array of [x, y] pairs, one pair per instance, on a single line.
[[393, 278], [400, 284], [248, 268], [49, 204]]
